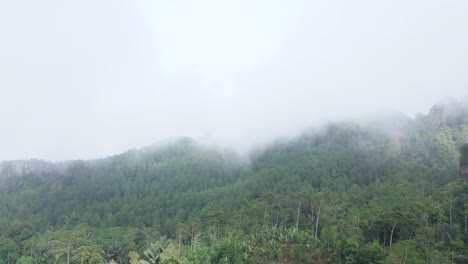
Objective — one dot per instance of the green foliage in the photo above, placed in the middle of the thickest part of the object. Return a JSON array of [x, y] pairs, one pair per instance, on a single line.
[[25, 260], [171, 260], [153, 252]]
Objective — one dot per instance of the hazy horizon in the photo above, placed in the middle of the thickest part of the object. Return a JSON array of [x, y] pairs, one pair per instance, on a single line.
[[88, 79]]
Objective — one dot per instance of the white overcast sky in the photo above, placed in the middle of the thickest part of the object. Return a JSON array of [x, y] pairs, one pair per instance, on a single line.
[[87, 78]]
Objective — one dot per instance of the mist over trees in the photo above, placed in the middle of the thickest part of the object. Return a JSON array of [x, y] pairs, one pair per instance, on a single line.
[[388, 191]]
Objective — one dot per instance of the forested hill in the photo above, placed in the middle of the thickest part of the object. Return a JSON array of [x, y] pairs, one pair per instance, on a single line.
[[386, 191]]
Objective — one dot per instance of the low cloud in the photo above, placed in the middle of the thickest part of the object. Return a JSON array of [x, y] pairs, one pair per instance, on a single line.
[[91, 79]]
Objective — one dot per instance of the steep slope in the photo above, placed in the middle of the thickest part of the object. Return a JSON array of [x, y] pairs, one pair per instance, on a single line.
[[361, 192]]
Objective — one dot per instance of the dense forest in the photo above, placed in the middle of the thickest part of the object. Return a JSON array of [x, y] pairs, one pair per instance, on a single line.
[[389, 190]]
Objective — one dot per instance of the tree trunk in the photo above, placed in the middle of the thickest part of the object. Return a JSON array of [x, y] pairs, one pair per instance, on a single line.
[[466, 219], [391, 236], [298, 214], [191, 244], [179, 243], [277, 216], [318, 218], [68, 252], [450, 212], [406, 256]]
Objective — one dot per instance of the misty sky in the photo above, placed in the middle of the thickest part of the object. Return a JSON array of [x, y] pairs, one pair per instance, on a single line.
[[87, 79]]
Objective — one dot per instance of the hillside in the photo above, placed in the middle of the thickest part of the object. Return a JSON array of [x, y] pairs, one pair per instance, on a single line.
[[386, 191]]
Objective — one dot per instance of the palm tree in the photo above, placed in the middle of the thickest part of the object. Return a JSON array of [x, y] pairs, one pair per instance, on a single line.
[[153, 252]]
